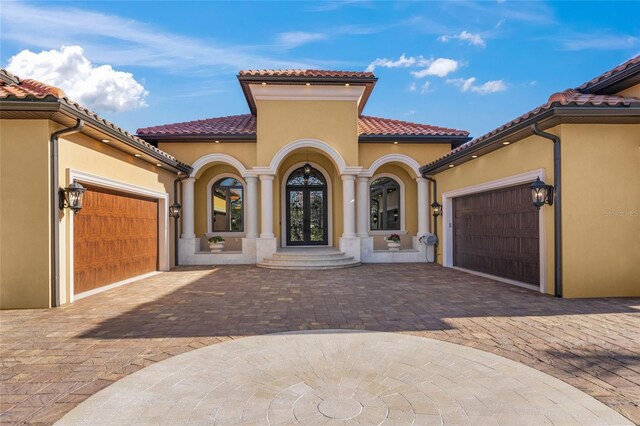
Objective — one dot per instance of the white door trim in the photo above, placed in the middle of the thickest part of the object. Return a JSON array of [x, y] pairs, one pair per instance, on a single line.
[[447, 217], [104, 182], [283, 201]]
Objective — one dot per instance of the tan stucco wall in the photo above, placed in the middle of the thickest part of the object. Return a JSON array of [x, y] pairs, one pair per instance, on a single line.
[[282, 122], [85, 154], [520, 157], [187, 152], [24, 214], [601, 210], [422, 153], [631, 91]]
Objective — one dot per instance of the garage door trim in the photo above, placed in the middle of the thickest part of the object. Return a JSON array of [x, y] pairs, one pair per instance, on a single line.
[[107, 183], [447, 220]]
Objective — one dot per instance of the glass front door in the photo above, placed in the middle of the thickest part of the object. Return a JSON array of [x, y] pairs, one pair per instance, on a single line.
[[306, 197]]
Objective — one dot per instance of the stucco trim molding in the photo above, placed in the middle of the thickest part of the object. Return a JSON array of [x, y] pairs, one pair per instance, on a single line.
[[281, 92], [393, 158], [203, 161], [324, 147], [447, 220], [104, 182]]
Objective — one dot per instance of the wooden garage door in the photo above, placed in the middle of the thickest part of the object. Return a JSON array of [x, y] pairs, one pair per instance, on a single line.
[[115, 237], [496, 232]]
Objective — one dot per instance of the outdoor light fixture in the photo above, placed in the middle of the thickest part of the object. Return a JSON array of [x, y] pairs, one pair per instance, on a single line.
[[174, 210], [541, 193], [437, 208], [72, 197]]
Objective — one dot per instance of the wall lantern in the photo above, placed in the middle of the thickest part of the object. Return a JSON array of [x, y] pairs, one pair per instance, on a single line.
[[72, 197], [437, 208], [174, 210], [541, 193]]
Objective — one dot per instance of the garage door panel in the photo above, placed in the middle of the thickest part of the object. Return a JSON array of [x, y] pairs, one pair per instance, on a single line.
[[497, 233], [115, 238]]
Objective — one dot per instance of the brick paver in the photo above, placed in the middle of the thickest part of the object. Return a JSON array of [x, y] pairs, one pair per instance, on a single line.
[[54, 359]]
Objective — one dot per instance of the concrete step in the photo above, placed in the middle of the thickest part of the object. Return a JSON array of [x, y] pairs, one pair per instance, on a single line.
[[304, 259]]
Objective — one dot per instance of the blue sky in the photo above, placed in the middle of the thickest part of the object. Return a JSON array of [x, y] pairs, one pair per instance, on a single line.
[[467, 65]]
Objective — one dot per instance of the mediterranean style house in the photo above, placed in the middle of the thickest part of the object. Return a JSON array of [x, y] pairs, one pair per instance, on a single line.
[[306, 180]]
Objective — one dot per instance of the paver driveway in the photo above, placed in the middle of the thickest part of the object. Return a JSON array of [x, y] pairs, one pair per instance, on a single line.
[[54, 359]]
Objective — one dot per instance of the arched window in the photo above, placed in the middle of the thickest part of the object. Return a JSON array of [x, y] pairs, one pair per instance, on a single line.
[[385, 205], [227, 206]]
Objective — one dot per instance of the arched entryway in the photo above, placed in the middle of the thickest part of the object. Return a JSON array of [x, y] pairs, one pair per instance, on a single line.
[[306, 204]]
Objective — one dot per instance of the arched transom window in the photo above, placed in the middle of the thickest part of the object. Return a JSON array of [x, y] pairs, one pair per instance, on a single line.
[[385, 205], [227, 206]]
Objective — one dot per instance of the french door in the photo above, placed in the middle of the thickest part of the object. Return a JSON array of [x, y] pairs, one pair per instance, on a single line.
[[306, 202]]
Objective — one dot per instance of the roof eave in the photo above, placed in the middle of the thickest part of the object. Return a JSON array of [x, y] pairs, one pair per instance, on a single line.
[[54, 106], [246, 80], [414, 138], [544, 117], [205, 137], [617, 82]]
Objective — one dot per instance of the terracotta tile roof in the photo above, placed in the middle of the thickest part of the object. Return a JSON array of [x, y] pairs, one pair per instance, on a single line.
[[567, 98], [245, 125], [12, 88], [610, 74], [306, 73], [376, 126], [241, 125]]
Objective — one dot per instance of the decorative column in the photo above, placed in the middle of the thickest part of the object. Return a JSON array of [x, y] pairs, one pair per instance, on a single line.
[[348, 206], [423, 208], [187, 208], [361, 206], [252, 206], [266, 208]]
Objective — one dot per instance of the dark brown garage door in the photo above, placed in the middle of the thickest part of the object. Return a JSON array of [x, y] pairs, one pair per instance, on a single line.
[[115, 237], [496, 232]]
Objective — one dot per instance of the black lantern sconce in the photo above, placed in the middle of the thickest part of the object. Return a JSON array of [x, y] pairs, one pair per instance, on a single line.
[[174, 210], [437, 208], [541, 193], [71, 197]]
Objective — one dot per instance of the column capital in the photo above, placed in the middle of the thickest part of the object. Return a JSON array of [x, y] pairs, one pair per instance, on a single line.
[[420, 179], [363, 178], [251, 178], [266, 177], [189, 180], [348, 177]]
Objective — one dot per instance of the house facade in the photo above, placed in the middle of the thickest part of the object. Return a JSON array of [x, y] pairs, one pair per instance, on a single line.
[[307, 180], [585, 143], [249, 186]]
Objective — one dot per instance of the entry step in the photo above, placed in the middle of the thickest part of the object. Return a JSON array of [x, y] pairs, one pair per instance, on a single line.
[[308, 259]]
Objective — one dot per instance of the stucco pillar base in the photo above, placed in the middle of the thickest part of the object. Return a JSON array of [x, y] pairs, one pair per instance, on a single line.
[[351, 247], [249, 249], [366, 248], [265, 247], [187, 248]]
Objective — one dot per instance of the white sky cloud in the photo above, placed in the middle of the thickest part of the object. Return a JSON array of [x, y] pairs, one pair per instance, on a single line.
[[596, 41], [115, 40], [440, 67], [468, 84], [403, 61], [425, 87], [413, 87], [100, 88], [472, 39], [292, 39]]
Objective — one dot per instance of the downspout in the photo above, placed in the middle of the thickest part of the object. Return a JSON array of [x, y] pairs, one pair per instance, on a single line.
[[557, 206], [55, 210], [176, 221], [435, 218]]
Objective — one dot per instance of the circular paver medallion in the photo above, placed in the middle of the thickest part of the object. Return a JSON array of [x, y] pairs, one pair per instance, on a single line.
[[340, 377]]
